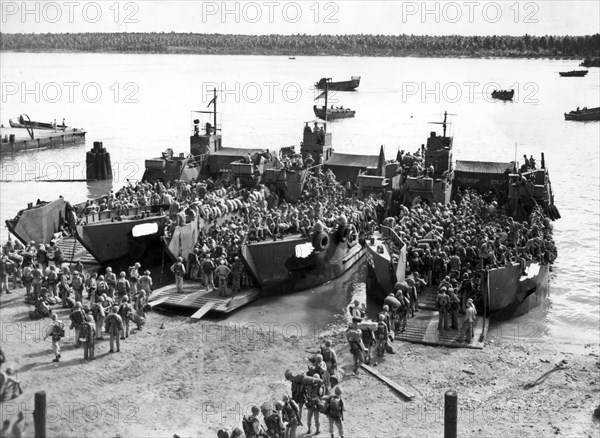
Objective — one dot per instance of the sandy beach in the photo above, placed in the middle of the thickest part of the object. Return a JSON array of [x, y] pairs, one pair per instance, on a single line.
[[193, 378]]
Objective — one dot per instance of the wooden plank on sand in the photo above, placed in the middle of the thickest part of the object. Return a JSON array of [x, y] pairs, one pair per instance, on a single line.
[[203, 310], [402, 390], [159, 301]]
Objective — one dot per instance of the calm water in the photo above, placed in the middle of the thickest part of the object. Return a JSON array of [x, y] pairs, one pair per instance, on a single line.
[[268, 99]]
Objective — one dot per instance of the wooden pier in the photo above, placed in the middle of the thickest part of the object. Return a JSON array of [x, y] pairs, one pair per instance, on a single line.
[[196, 297], [18, 139]]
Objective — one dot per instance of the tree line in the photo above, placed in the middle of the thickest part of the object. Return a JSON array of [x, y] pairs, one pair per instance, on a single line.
[[353, 45]]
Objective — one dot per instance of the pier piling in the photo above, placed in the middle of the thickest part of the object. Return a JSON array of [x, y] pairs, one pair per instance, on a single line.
[[97, 161], [450, 413]]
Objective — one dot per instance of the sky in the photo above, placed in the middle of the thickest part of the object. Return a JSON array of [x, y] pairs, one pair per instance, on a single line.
[[311, 17]]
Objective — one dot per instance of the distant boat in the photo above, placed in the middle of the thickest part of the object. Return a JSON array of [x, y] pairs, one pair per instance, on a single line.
[[573, 73], [20, 122], [292, 57], [583, 114], [333, 113], [350, 85], [503, 94]]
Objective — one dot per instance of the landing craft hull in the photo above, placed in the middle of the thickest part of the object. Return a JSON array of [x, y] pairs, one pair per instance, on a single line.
[[512, 294], [38, 224], [109, 241], [277, 270]]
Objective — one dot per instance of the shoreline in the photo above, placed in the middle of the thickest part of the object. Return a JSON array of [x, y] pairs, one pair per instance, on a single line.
[[206, 375], [259, 53]]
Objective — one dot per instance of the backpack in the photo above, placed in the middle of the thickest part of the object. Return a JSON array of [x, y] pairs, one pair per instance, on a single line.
[[132, 272], [443, 301], [247, 425], [298, 392], [335, 408], [273, 424], [58, 330], [122, 286], [125, 311], [77, 317]]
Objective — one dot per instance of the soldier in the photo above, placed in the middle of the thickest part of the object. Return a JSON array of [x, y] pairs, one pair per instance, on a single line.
[[454, 306], [113, 324], [336, 412], [125, 312], [111, 281], [273, 419], [222, 272], [314, 392], [468, 321], [134, 276], [77, 285], [52, 279], [145, 284], [207, 272], [381, 333], [443, 304], [101, 287], [77, 317], [251, 424], [65, 289], [37, 276], [291, 416], [56, 331], [89, 334], [92, 286], [357, 348], [330, 359], [123, 286], [99, 315], [298, 393], [236, 273], [178, 269]]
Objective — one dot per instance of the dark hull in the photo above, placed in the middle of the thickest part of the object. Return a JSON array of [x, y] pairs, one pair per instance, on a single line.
[[107, 241], [36, 125], [573, 74], [333, 114], [350, 85], [277, 270], [503, 94], [582, 116]]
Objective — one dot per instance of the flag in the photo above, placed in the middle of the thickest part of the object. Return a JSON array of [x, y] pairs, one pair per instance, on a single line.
[[211, 102]]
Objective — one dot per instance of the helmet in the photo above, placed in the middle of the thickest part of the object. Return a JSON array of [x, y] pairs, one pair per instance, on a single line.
[[122, 274], [137, 265], [338, 390], [381, 317], [318, 358], [289, 374], [78, 305], [386, 307], [179, 259], [278, 405]]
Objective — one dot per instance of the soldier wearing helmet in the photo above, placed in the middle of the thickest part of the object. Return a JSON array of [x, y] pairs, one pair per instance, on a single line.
[[178, 269]]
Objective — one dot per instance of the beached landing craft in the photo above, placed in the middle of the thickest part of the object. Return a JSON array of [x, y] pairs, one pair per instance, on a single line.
[[508, 291], [583, 115]]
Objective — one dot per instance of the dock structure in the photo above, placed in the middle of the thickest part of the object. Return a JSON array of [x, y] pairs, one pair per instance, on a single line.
[[423, 328], [195, 297], [18, 139]]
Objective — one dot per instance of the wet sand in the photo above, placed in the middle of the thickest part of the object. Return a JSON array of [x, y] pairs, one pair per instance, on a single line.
[[192, 378]]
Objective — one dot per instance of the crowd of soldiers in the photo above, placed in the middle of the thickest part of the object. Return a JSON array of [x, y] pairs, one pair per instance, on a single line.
[[96, 303], [317, 389]]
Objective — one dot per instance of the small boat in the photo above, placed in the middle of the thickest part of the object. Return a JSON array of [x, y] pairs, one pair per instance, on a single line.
[[503, 94], [583, 114], [21, 122], [333, 113], [292, 57], [573, 73], [350, 85]]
